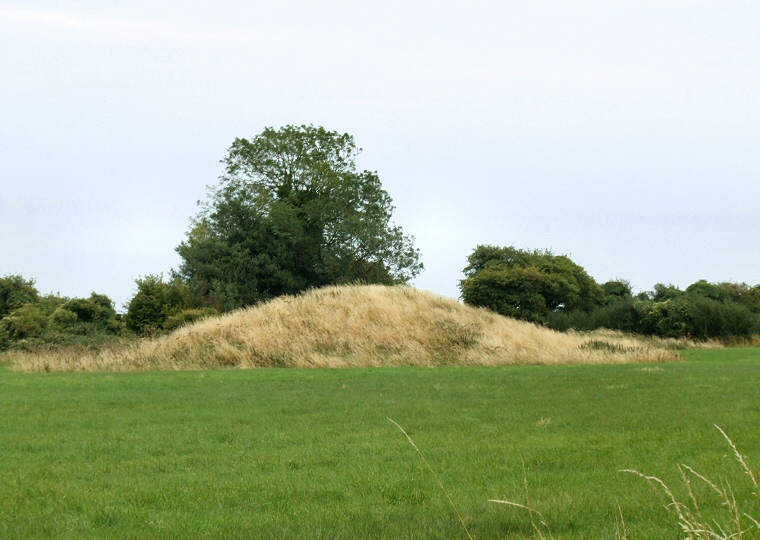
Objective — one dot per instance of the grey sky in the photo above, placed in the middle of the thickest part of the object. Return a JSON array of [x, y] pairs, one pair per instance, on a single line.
[[625, 134]]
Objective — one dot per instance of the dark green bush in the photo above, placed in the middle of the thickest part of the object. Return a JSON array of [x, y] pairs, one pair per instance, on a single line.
[[157, 305], [528, 285], [687, 315], [665, 292], [146, 312], [15, 291], [615, 290], [97, 310], [620, 313], [723, 311], [708, 318], [703, 311]]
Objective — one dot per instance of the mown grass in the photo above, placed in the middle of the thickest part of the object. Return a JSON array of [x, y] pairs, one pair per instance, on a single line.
[[285, 453]]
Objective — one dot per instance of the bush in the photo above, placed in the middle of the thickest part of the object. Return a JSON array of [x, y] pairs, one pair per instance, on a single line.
[[160, 306], [98, 309], [621, 313], [722, 311], [25, 322], [15, 291], [145, 312], [527, 285], [47, 320], [187, 316], [708, 318], [63, 318], [615, 290], [685, 316]]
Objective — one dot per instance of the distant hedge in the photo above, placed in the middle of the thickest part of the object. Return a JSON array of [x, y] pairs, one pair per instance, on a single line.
[[703, 311], [552, 290], [30, 320]]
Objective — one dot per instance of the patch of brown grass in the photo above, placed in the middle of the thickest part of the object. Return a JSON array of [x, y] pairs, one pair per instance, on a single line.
[[355, 326]]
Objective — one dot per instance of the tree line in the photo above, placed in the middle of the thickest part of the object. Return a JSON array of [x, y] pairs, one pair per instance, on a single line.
[[552, 290], [292, 211]]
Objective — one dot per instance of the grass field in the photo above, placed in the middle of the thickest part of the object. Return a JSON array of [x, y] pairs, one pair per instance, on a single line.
[[285, 453]]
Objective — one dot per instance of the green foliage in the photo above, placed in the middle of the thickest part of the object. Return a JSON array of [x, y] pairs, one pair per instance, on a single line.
[[618, 314], [665, 292], [26, 321], [292, 212], [187, 316], [696, 316], [714, 291], [97, 310], [15, 291], [614, 290], [723, 311], [159, 306], [63, 318], [527, 285], [145, 312], [29, 320]]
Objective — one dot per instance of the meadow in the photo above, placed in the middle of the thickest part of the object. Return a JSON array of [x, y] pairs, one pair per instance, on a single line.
[[305, 453]]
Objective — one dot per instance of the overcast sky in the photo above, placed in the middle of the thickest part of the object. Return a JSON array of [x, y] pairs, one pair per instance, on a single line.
[[624, 134]]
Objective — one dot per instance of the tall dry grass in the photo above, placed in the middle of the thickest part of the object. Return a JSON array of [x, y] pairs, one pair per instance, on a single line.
[[658, 342], [354, 326]]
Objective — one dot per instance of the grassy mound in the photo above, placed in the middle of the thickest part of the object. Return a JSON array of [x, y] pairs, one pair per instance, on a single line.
[[355, 326]]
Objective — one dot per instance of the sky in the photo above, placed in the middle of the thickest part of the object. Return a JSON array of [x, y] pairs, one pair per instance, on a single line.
[[624, 134]]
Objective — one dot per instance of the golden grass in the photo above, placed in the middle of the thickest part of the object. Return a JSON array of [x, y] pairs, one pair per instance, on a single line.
[[667, 343], [354, 326]]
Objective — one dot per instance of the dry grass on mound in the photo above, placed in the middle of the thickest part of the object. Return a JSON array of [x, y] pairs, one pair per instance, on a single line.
[[661, 342], [355, 326]]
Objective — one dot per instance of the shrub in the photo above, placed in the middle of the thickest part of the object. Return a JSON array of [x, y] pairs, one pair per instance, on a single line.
[[527, 285], [97, 309], [615, 290], [147, 310], [63, 318], [15, 291], [27, 321], [54, 320], [621, 313], [187, 316], [665, 292], [718, 292], [158, 306]]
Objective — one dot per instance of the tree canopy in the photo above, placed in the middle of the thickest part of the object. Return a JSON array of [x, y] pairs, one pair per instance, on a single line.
[[527, 284], [293, 212]]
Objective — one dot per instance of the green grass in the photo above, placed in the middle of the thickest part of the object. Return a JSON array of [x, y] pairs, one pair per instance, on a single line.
[[311, 454]]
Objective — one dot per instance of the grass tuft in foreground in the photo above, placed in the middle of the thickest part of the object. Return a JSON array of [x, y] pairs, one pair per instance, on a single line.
[[734, 523], [437, 479]]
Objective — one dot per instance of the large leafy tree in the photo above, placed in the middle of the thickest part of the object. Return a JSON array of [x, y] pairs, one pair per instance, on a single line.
[[527, 284], [293, 212]]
